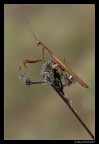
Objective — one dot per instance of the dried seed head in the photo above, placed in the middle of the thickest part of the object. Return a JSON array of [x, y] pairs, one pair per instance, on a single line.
[[46, 72], [51, 76], [25, 79]]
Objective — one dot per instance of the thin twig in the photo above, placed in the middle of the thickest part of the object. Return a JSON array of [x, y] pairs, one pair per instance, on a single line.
[[56, 82], [74, 112]]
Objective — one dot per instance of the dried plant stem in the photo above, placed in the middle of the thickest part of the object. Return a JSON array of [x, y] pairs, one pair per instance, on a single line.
[[56, 82], [74, 112]]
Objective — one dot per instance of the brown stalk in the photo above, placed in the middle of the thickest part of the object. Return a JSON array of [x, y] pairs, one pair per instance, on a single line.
[[73, 111]]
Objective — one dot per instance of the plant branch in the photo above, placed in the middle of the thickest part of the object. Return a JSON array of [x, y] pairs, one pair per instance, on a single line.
[[74, 112], [55, 80]]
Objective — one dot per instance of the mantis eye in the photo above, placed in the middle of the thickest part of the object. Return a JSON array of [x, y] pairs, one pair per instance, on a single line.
[[38, 43]]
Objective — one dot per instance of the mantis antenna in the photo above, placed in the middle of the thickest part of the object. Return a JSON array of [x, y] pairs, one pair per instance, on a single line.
[[28, 27]]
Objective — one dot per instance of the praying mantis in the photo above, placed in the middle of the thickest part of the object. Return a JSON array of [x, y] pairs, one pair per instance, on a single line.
[[58, 62]]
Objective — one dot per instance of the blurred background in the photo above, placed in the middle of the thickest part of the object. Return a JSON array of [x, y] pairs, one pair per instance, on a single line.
[[37, 112]]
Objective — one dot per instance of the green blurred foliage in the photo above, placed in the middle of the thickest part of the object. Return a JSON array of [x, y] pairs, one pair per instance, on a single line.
[[37, 112]]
